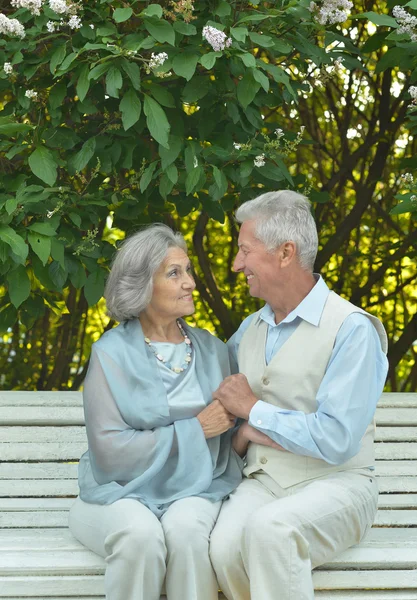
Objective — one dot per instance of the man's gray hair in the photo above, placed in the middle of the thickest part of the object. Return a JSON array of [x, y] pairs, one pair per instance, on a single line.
[[281, 217], [129, 286]]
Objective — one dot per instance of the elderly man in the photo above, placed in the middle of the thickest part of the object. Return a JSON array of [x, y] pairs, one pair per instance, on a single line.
[[311, 369]]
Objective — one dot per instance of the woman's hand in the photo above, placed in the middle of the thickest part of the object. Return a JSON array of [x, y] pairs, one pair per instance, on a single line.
[[246, 433], [215, 419]]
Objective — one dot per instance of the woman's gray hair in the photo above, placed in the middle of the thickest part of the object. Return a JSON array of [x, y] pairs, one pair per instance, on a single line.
[[281, 217], [129, 285]]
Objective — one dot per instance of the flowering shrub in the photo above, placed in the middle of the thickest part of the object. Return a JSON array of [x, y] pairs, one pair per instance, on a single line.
[[133, 110]]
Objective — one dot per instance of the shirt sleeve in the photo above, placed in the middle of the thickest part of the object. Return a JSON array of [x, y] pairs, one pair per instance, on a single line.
[[346, 399]]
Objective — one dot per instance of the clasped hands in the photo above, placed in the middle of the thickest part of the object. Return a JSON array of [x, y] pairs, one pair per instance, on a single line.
[[233, 398]]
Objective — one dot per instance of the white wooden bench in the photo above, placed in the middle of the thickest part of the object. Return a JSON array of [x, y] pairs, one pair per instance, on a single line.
[[41, 438]]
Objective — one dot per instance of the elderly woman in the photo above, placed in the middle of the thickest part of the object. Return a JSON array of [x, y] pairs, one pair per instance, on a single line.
[[159, 457]]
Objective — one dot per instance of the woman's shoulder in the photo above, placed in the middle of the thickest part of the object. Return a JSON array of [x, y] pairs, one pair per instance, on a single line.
[[205, 337], [111, 339]]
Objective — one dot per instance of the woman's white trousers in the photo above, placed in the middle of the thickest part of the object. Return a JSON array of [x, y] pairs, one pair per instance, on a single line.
[[142, 552]]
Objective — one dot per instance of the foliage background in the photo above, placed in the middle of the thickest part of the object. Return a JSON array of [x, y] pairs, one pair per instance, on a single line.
[[109, 144]]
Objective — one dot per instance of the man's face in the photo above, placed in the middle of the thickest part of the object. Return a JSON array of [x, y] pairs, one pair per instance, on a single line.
[[261, 268]]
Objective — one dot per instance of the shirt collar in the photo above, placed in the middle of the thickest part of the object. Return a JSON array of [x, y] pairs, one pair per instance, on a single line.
[[310, 308]]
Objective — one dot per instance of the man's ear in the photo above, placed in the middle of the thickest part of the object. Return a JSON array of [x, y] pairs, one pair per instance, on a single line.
[[288, 252]]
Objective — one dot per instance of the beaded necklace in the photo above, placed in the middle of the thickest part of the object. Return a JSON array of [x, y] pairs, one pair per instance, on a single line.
[[189, 351]]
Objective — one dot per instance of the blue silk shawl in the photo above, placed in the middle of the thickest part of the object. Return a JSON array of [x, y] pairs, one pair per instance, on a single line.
[[135, 449]]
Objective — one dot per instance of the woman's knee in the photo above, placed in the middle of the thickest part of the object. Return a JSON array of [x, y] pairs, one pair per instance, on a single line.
[[137, 539]]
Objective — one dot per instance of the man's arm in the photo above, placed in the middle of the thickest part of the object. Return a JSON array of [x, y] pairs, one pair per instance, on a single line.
[[346, 399]]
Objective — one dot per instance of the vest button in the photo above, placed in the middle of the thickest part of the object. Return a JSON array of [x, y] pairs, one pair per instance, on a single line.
[[264, 460], [265, 381]]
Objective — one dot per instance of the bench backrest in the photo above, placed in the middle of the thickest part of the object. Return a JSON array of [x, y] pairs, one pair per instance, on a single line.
[[42, 436]]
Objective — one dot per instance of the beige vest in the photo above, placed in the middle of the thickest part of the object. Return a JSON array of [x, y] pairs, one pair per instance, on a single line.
[[291, 381]]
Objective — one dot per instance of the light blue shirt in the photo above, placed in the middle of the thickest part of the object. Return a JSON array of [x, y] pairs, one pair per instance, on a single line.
[[348, 393]]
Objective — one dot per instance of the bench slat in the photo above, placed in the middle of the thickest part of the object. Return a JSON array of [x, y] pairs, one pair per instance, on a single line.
[[68, 470], [395, 434], [47, 399], [396, 416], [37, 415], [39, 538], [43, 451], [35, 435], [395, 518], [65, 446], [355, 580], [79, 561], [395, 451]]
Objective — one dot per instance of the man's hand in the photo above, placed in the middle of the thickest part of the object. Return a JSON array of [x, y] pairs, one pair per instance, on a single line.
[[236, 395], [215, 419]]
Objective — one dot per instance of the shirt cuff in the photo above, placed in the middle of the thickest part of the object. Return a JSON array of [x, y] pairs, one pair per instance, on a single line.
[[262, 415]]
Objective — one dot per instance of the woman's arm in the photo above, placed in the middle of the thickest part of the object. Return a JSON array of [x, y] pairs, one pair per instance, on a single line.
[[246, 434]]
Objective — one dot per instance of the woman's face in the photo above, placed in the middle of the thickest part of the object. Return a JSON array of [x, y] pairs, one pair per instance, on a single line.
[[173, 285]]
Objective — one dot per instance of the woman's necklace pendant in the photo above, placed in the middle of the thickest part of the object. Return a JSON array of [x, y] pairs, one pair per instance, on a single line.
[[188, 356]]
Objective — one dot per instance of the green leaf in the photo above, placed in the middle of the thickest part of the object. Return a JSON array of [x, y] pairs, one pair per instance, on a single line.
[[247, 88], [162, 31], [132, 71], [162, 95], [153, 10], [57, 57], [114, 82], [122, 14], [261, 78], [248, 59], [83, 83], [78, 277], [239, 33], [261, 40], [11, 205], [208, 60], [185, 28], [16, 243], [252, 18], [65, 65], [82, 158], [319, 197], [172, 173], [12, 128], [156, 121], [8, 317], [41, 245], [271, 171], [99, 70], [43, 165], [146, 178], [412, 4], [184, 65], [94, 286], [131, 108], [223, 9], [75, 218], [169, 155], [43, 228], [165, 186], [192, 180], [57, 95], [404, 207], [18, 285], [58, 252], [221, 182], [57, 274], [377, 19]]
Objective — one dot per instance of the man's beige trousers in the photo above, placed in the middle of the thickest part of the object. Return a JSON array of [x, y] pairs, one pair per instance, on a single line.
[[142, 552], [268, 539]]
